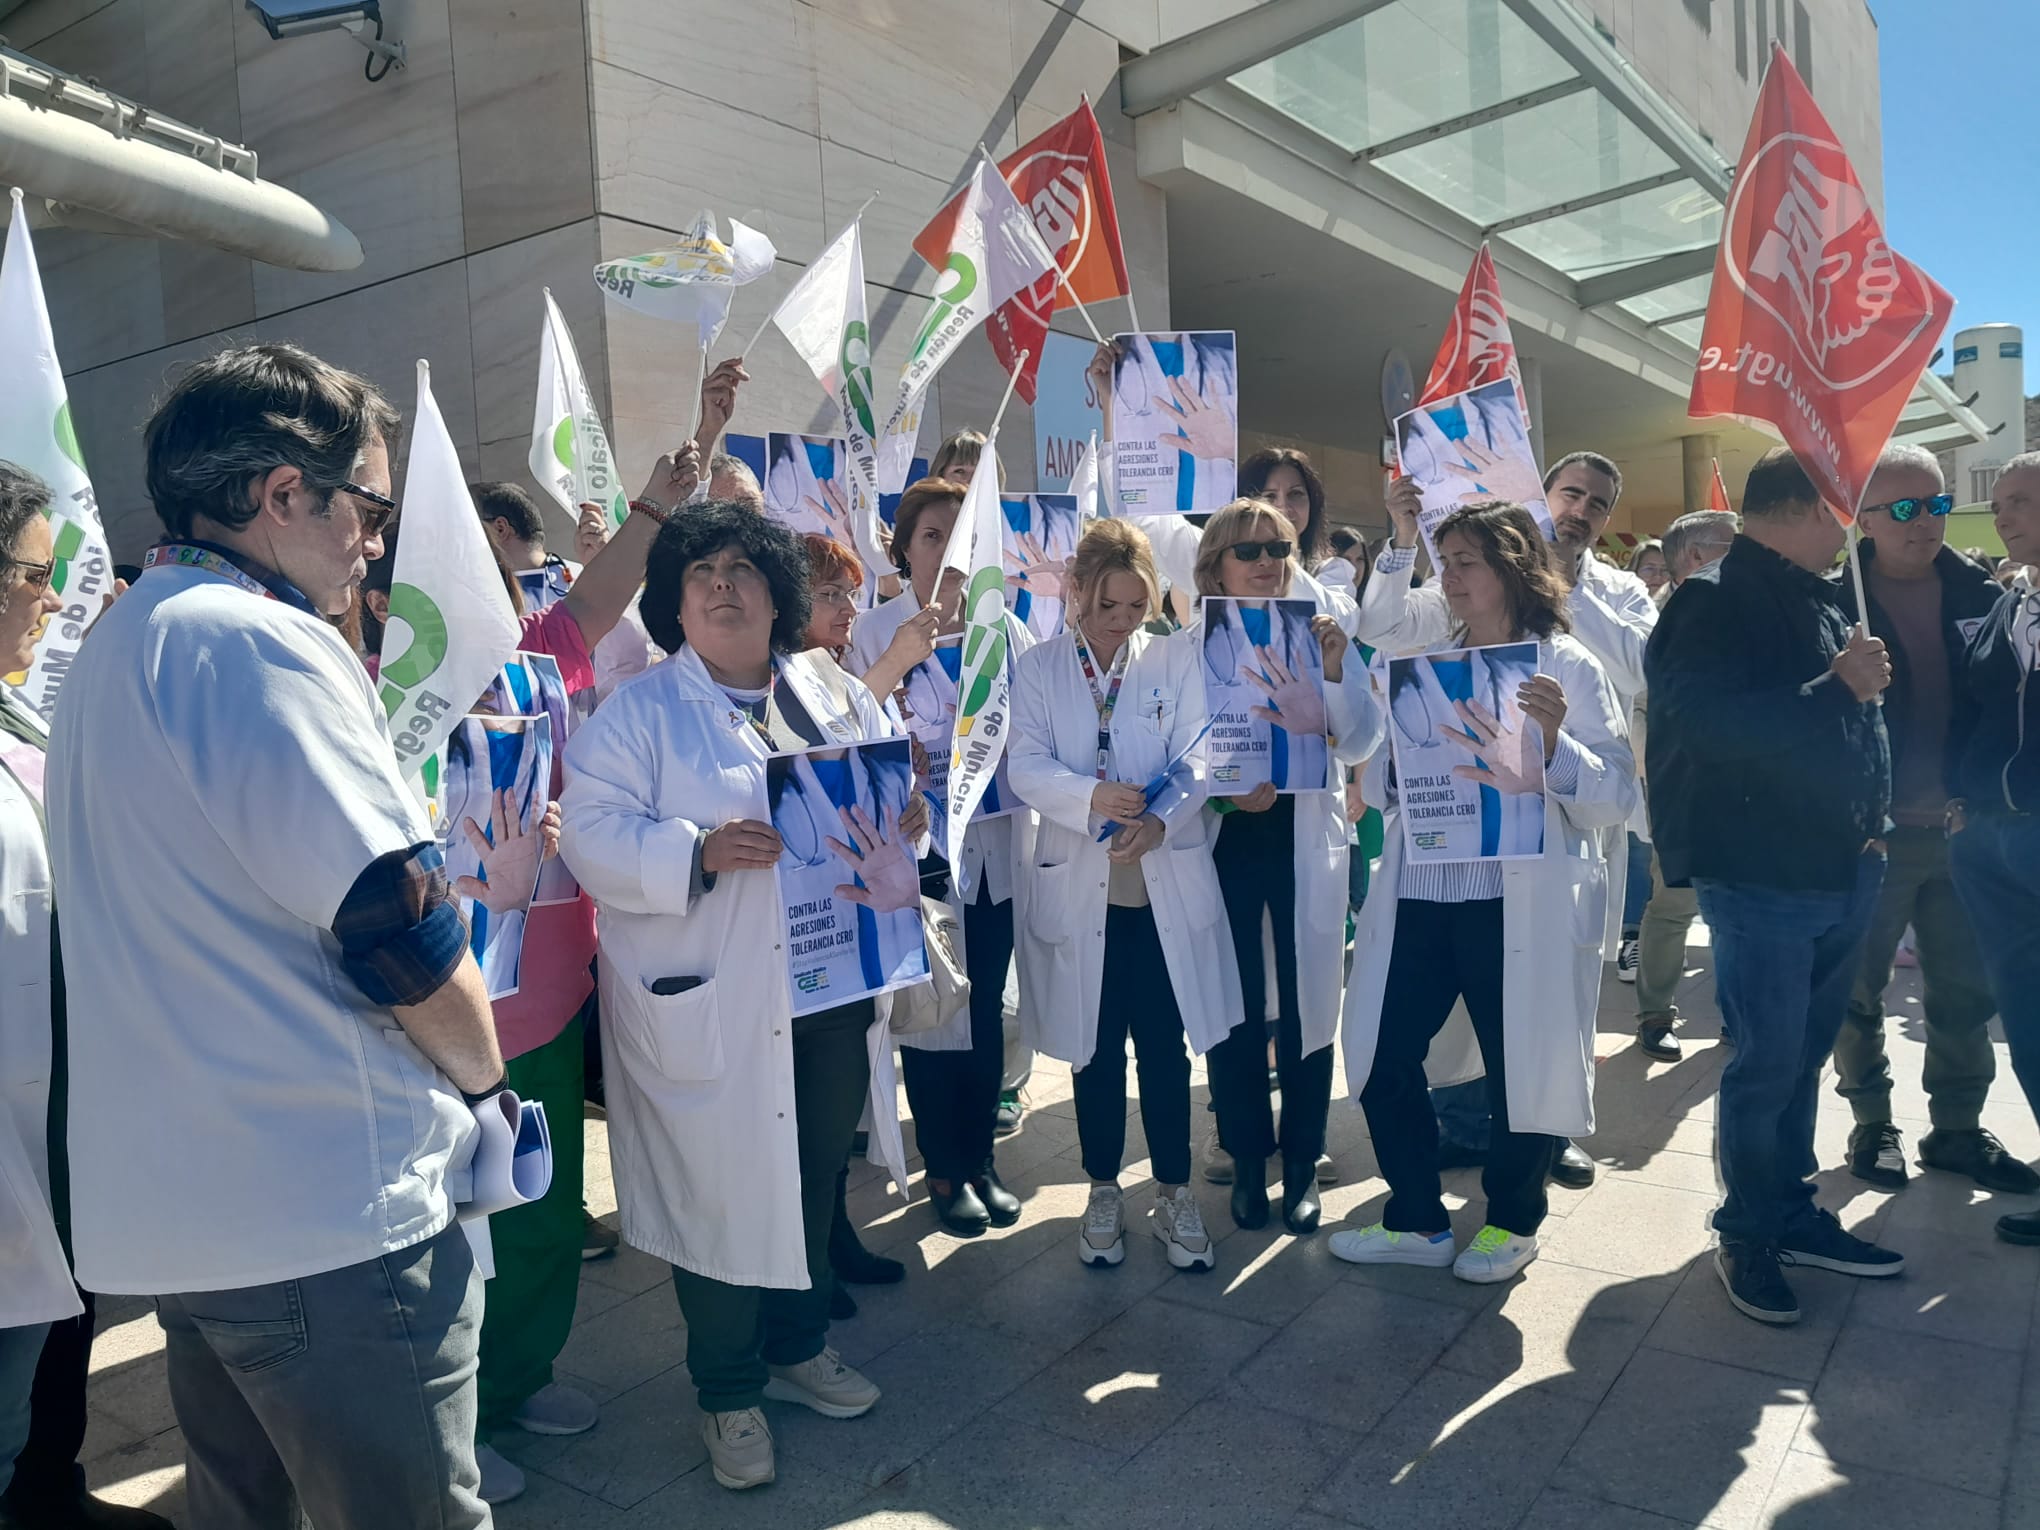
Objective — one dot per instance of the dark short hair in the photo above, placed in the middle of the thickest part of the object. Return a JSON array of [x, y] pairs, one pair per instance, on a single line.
[[242, 413], [1344, 541], [23, 497], [1594, 460], [505, 501], [1778, 486], [1253, 482], [702, 531], [919, 496], [1513, 544]]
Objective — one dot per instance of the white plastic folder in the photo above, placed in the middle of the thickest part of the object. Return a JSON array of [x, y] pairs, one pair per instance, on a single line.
[[512, 1166]]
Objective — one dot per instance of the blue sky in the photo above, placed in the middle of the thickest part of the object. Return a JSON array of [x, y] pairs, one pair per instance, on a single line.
[[1962, 154]]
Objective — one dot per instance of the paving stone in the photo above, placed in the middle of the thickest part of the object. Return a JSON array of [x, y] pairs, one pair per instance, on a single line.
[[1352, 1354], [1227, 1465], [1911, 1403], [1629, 1228], [1564, 1330], [1699, 1321], [1813, 1493]]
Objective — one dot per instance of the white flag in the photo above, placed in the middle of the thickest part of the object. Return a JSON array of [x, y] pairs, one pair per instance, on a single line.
[[570, 455], [824, 319], [983, 692], [35, 433], [994, 252], [1084, 482], [451, 626], [692, 280]]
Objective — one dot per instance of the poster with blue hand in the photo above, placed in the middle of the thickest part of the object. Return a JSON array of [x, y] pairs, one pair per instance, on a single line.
[[1470, 449], [1264, 691], [1173, 418], [1040, 538], [1469, 764]]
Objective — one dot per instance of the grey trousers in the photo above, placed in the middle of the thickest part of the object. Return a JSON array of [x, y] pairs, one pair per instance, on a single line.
[[20, 1349], [1661, 947], [346, 1398]]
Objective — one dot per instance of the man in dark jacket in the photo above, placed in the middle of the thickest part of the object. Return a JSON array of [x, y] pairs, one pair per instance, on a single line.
[[1924, 601], [1995, 849], [1770, 781]]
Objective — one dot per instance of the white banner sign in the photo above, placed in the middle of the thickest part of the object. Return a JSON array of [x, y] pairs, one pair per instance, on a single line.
[[1264, 691], [1469, 765]]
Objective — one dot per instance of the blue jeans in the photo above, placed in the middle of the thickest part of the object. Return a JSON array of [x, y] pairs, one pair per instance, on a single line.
[[1996, 864], [20, 1349], [1636, 891], [1784, 963], [349, 1394], [1463, 1113]]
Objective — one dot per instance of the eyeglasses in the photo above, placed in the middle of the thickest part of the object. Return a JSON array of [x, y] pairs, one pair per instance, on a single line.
[[1903, 510], [1250, 552], [374, 519], [35, 576], [831, 595]]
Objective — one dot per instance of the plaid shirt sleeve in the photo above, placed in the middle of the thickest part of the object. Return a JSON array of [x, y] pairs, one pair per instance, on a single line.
[[400, 932]]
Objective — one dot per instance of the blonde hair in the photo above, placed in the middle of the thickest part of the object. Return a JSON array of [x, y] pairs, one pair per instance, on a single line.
[[1114, 547], [1239, 522]]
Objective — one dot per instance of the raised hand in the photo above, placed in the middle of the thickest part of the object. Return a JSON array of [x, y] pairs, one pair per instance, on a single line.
[[1294, 704], [1404, 500], [591, 531], [1512, 764], [881, 861], [674, 477], [1333, 643], [509, 854], [831, 511], [719, 399], [1204, 430], [1039, 573], [1496, 475]]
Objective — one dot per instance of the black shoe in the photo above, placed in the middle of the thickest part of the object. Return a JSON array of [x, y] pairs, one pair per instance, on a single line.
[[842, 1305], [1460, 1155], [1655, 1039], [1982, 1157], [1877, 1154], [1001, 1204], [1250, 1192], [1819, 1240], [1300, 1205], [2021, 1227], [859, 1266], [1756, 1287], [960, 1210], [77, 1510], [1572, 1168]]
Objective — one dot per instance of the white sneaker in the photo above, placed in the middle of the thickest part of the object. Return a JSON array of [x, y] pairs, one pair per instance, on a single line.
[[1179, 1223], [1377, 1245], [556, 1408], [1327, 1170], [1494, 1255], [1625, 960], [739, 1447], [1103, 1238], [824, 1384], [502, 1480], [1218, 1166]]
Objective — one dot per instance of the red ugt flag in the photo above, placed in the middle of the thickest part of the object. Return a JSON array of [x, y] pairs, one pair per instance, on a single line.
[[1478, 347], [1060, 177], [1815, 324], [1717, 494]]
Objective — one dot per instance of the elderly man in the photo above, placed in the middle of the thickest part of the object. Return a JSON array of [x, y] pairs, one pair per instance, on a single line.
[[1693, 541], [1612, 613], [1995, 790], [273, 1065], [1924, 597], [1773, 777]]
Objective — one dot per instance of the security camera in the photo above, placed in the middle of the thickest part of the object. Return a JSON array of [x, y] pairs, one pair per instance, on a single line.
[[298, 18]]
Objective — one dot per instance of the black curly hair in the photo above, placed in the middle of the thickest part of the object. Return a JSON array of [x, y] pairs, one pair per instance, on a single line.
[[701, 531]]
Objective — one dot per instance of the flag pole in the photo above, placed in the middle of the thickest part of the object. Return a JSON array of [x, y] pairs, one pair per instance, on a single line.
[[1019, 366], [774, 312]]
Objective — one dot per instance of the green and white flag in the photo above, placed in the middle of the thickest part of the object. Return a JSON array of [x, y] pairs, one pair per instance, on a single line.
[[451, 625], [691, 280], [35, 433], [570, 455], [984, 702], [824, 319], [994, 251]]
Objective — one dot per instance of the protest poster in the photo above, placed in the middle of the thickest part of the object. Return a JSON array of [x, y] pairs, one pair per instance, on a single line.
[[531, 686], [1067, 410], [1264, 691], [495, 788], [927, 702], [750, 450], [1041, 534], [1469, 765], [849, 881], [1174, 422], [806, 485], [1469, 449]]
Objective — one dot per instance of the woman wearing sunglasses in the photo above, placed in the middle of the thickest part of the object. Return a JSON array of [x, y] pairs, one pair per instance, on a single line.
[[1282, 858]]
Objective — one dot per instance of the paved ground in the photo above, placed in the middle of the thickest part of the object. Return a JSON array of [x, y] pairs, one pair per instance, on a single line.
[[1609, 1388]]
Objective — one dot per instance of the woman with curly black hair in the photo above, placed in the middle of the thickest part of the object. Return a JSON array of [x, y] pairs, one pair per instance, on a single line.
[[729, 1116]]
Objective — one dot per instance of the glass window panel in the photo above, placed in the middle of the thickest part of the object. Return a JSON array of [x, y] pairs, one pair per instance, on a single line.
[[1407, 66], [1596, 240], [1552, 153], [1686, 331], [1662, 302]]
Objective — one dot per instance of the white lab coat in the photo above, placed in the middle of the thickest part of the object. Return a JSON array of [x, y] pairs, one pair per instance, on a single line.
[[702, 1133], [1612, 618], [1059, 915], [1553, 909], [35, 1278], [1323, 839]]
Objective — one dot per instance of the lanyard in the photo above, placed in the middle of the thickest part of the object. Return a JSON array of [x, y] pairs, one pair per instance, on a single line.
[[1105, 698], [165, 553]]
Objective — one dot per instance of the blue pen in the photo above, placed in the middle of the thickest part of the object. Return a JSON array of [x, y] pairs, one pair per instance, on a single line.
[[1154, 788]]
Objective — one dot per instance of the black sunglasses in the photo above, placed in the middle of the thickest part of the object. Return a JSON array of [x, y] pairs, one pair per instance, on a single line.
[[375, 518], [1903, 510], [1250, 552], [35, 576]]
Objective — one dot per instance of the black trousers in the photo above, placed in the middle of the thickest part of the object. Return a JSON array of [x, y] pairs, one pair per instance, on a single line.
[[1256, 860], [955, 1095], [47, 1471], [1443, 952], [1136, 999]]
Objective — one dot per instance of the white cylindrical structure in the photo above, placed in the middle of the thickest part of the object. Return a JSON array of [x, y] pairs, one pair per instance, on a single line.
[[1990, 362]]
